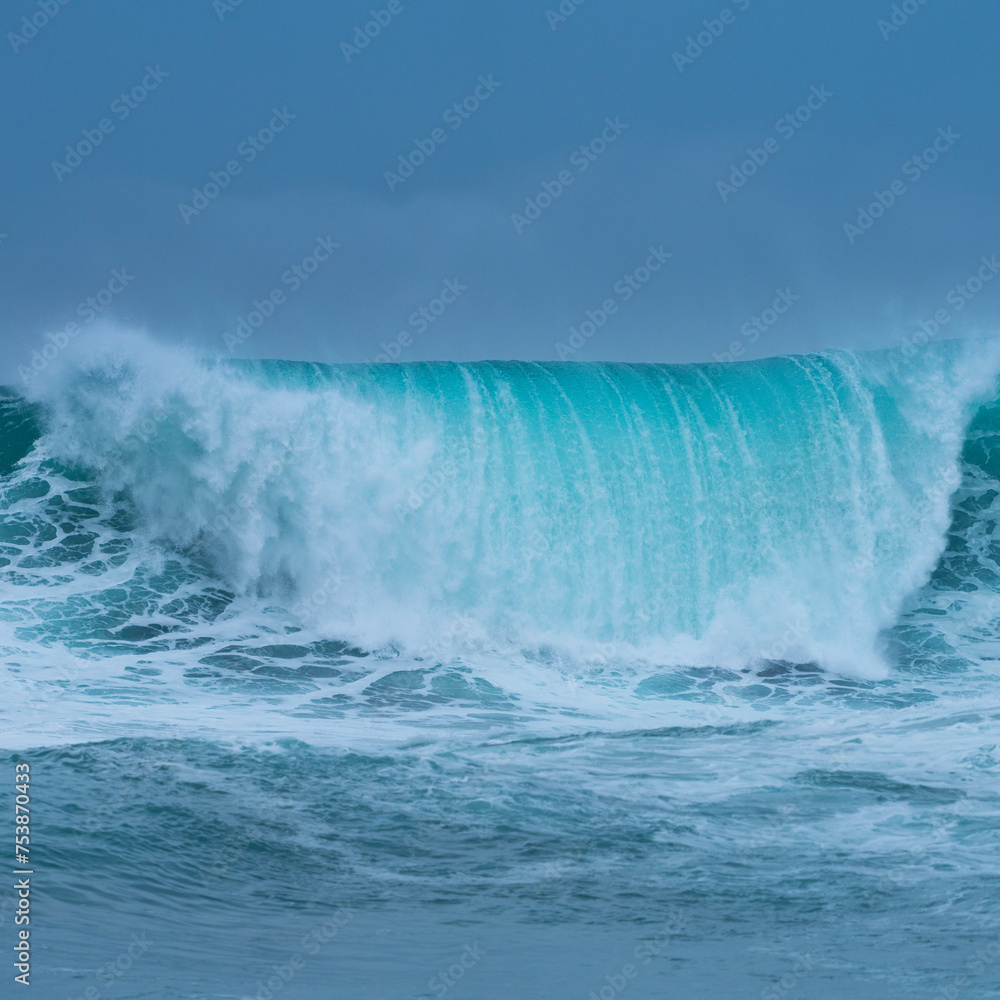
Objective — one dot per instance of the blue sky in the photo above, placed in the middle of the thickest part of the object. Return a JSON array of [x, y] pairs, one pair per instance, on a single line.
[[622, 137]]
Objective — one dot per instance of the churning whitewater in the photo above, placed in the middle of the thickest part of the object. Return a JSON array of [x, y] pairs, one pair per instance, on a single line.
[[628, 662], [702, 514]]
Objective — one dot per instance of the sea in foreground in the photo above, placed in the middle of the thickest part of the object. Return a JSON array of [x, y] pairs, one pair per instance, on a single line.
[[506, 680]]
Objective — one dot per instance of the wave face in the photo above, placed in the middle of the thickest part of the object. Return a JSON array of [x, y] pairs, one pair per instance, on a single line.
[[582, 664], [709, 514]]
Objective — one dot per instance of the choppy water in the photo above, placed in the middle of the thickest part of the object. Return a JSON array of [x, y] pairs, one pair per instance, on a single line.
[[533, 673]]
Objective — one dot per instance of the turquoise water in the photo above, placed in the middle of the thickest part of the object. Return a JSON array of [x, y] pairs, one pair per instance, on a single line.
[[507, 679]]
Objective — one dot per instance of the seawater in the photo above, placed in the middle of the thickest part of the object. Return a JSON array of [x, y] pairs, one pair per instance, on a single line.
[[509, 679]]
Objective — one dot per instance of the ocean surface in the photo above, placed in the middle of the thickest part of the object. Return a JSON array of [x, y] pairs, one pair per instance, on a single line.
[[506, 680]]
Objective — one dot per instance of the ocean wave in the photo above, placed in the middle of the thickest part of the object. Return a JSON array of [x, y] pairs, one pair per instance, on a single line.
[[701, 514]]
